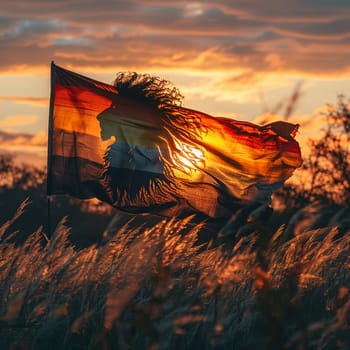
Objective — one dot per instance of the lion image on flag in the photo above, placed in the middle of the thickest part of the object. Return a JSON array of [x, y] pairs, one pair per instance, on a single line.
[[132, 144]]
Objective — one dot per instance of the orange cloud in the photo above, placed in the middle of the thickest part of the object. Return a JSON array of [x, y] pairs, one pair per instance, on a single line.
[[13, 121], [26, 148], [15, 139], [304, 38], [37, 101]]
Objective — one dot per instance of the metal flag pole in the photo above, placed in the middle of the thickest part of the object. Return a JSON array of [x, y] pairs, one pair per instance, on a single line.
[[49, 148], [48, 216]]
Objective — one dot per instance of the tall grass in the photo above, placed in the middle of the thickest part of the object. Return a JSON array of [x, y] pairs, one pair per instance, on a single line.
[[157, 288]]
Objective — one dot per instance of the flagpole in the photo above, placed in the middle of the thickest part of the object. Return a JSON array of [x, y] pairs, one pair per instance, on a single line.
[[48, 216], [49, 147]]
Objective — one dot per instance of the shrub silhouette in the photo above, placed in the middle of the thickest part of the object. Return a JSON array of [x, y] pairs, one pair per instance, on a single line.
[[329, 161], [327, 165]]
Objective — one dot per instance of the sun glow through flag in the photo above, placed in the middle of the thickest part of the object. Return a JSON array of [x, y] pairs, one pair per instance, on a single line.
[[133, 146]]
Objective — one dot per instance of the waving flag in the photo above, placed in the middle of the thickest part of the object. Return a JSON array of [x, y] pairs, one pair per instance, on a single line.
[[133, 146]]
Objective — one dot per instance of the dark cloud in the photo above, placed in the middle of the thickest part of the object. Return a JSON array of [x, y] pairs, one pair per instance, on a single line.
[[24, 147], [330, 29], [30, 27], [279, 11], [22, 139], [305, 36]]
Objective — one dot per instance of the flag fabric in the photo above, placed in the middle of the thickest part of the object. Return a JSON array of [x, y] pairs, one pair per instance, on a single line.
[[134, 146]]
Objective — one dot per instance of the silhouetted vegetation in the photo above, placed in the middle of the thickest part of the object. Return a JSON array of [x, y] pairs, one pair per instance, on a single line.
[[329, 161], [327, 165]]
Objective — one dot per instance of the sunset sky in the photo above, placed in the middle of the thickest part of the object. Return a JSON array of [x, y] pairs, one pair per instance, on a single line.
[[236, 58]]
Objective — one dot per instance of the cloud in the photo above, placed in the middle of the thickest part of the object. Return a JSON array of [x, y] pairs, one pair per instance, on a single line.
[[274, 10], [37, 101], [26, 148], [26, 27], [14, 121], [305, 38], [23, 142]]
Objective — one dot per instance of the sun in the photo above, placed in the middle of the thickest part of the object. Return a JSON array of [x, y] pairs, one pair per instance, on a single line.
[[188, 159]]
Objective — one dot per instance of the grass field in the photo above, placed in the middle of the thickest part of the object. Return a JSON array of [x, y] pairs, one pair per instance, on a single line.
[[156, 288]]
